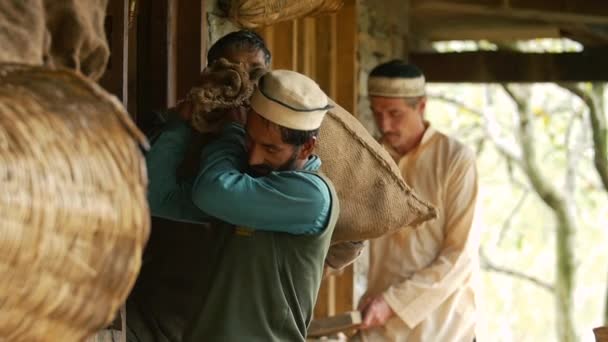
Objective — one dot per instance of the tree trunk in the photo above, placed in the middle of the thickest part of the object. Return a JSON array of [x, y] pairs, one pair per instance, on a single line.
[[594, 100], [561, 203], [564, 283]]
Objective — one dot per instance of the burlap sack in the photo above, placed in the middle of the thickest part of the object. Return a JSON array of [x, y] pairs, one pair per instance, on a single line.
[[60, 33], [73, 209], [374, 199], [22, 31], [260, 13], [223, 85], [77, 38]]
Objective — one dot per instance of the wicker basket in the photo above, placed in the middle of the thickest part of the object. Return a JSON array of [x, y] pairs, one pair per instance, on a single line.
[[260, 13], [73, 212]]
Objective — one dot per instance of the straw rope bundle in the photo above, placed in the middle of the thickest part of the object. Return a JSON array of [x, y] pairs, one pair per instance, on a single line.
[[224, 85], [374, 199], [73, 213], [260, 13]]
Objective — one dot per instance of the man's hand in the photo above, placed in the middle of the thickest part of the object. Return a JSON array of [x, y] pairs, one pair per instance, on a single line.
[[376, 312], [237, 115], [185, 109]]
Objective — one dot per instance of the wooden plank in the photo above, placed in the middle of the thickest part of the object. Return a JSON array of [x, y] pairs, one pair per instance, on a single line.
[[346, 80], [306, 46], [283, 44], [191, 50], [590, 14], [115, 79], [347, 40], [331, 325], [153, 53], [326, 54], [488, 67]]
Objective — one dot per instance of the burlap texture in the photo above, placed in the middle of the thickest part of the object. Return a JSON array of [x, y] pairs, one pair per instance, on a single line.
[[22, 31], [73, 212], [77, 35], [260, 13], [223, 85], [374, 199], [58, 33]]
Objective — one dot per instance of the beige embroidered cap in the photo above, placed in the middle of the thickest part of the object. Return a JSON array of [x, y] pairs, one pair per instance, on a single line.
[[291, 100]]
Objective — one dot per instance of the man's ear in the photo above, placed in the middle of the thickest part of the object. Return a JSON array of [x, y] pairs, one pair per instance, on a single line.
[[308, 148], [422, 104]]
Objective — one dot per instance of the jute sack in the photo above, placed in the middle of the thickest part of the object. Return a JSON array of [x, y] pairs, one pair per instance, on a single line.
[[22, 31], [73, 209], [66, 33], [76, 35], [374, 199], [260, 13]]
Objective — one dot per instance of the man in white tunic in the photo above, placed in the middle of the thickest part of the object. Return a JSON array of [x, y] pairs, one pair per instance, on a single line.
[[421, 282]]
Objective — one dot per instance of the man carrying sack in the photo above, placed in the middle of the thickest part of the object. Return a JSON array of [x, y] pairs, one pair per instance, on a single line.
[[261, 180], [421, 282]]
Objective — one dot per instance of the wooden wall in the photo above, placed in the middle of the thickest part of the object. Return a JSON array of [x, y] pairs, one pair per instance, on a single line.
[[324, 48]]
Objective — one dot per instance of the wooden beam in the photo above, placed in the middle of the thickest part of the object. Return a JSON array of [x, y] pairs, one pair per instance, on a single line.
[[347, 45], [572, 13], [283, 45], [502, 66], [438, 30], [331, 325]]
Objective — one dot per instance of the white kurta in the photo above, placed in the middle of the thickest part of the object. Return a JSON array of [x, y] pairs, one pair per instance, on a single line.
[[428, 275]]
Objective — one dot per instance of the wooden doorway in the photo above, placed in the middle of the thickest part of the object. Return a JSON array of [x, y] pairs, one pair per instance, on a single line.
[[324, 48]]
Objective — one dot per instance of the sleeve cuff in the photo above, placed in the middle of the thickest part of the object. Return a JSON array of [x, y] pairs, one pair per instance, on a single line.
[[409, 313]]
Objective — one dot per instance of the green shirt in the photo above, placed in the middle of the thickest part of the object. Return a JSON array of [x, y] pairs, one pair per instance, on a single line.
[[259, 282], [294, 202]]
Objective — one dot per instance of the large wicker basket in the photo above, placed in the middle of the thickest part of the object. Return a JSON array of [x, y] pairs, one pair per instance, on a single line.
[[260, 13], [73, 212]]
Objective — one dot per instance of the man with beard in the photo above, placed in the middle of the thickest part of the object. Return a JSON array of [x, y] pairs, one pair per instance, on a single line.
[[277, 213]]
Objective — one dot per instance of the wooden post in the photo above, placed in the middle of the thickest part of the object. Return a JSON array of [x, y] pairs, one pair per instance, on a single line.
[[152, 59], [190, 52], [115, 78]]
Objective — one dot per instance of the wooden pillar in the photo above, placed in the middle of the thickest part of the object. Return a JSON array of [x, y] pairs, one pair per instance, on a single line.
[[115, 78], [190, 47], [153, 52]]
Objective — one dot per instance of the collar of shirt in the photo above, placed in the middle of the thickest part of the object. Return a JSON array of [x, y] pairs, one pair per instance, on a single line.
[[426, 138]]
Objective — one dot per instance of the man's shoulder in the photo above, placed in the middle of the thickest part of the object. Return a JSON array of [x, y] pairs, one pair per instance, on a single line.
[[318, 181], [455, 149]]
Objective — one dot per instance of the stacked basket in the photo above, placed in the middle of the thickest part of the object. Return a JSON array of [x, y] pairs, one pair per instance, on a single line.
[[73, 213]]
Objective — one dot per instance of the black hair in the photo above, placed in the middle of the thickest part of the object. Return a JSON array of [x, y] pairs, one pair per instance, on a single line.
[[239, 40], [396, 68], [297, 137]]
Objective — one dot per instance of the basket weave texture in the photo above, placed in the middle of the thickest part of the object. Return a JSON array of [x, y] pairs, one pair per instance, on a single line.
[[260, 13], [73, 212], [374, 198]]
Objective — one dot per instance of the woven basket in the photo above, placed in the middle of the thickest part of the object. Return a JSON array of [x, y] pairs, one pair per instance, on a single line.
[[374, 199], [73, 211], [260, 13]]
